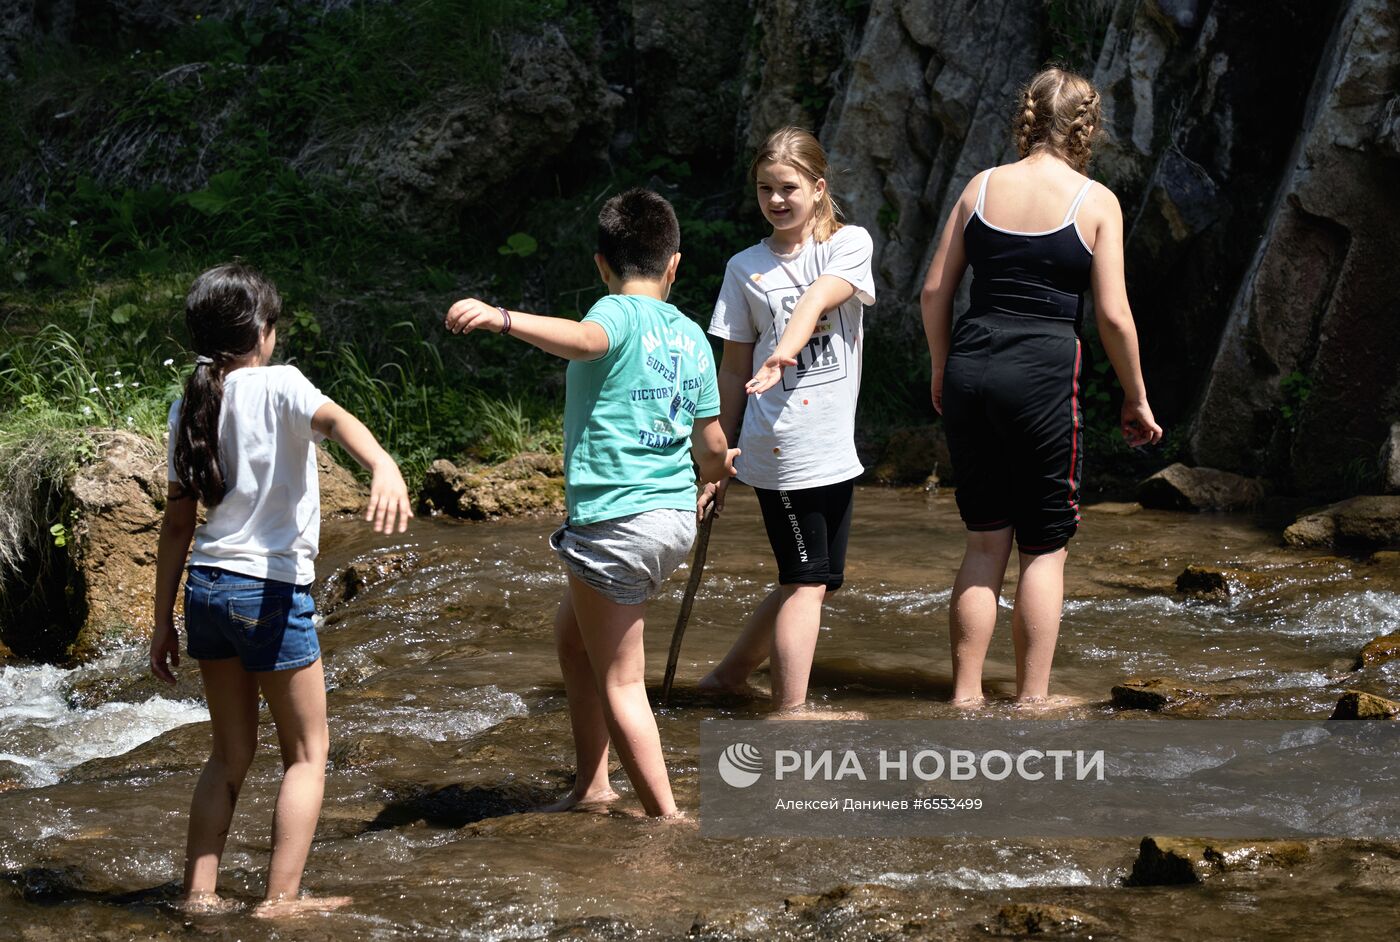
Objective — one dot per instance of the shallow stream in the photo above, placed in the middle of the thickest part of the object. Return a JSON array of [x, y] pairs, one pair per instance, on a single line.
[[448, 723]]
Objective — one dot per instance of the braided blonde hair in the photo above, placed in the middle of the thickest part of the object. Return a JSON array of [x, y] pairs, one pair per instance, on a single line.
[[801, 150], [1060, 112]]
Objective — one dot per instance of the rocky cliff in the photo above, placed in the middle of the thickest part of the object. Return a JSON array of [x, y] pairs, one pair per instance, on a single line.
[[1254, 149]]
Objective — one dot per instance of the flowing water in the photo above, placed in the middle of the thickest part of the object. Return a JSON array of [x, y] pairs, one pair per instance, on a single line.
[[448, 724]]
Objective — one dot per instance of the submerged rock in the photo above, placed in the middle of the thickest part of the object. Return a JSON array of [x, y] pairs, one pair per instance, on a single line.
[[1165, 694], [1362, 522], [1214, 584], [1359, 705], [1047, 919], [915, 456], [363, 574], [1378, 651], [528, 483], [1168, 861], [1178, 487]]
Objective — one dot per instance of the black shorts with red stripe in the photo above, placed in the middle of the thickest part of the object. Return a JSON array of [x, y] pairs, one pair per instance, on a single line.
[[1015, 425]]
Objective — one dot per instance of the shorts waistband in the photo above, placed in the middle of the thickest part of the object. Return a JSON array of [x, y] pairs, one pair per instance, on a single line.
[[1058, 326]]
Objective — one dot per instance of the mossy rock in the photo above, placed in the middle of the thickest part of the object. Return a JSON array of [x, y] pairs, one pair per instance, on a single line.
[[528, 483]]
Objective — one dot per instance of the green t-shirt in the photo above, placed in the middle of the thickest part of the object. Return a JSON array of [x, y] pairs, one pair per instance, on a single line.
[[628, 414]]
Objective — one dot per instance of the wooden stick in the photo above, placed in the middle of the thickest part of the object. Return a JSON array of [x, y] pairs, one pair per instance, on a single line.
[[697, 571]]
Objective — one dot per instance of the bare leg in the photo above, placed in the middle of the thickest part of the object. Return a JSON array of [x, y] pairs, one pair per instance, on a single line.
[[612, 635], [590, 728], [232, 694], [795, 633], [1035, 623], [750, 649], [297, 699], [972, 611]]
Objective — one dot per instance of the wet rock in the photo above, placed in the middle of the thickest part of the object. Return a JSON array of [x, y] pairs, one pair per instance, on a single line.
[[136, 686], [1378, 651], [359, 752], [1160, 694], [364, 574], [528, 483], [915, 456], [1359, 705], [1178, 487], [116, 503], [341, 493], [1216, 584], [1390, 455], [12, 775], [1019, 920], [1166, 861], [1362, 522]]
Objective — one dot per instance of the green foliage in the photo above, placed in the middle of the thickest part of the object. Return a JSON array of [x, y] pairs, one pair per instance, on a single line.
[[520, 245], [1296, 387]]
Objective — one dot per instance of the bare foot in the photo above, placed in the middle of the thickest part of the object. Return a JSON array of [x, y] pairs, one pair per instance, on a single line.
[[589, 801], [967, 703], [805, 712], [714, 687], [206, 904], [1046, 704], [283, 907]]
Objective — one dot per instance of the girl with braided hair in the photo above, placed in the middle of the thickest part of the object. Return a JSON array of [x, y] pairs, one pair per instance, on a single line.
[[1038, 234]]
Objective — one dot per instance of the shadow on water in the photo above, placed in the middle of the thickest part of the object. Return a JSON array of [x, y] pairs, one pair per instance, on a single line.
[[456, 806]]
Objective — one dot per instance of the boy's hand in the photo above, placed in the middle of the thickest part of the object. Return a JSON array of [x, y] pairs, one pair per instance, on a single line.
[[469, 314], [165, 652], [768, 374], [388, 499], [715, 490]]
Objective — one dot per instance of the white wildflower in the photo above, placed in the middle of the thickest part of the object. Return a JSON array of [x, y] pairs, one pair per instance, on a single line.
[[130, 420], [168, 361], [93, 389], [87, 410], [120, 386], [135, 384]]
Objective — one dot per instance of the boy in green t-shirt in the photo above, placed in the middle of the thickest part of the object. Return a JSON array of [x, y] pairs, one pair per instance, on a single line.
[[641, 402]]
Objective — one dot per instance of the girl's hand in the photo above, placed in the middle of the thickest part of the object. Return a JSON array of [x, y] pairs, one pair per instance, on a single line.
[[1139, 428], [710, 493], [389, 505], [936, 390], [768, 374], [165, 652], [469, 314]]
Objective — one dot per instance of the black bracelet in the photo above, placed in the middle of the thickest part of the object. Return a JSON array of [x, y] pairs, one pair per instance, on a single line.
[[505, 317]]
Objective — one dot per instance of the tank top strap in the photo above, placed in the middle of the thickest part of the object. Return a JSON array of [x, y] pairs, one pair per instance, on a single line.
[[1074, 207], [982, 194]]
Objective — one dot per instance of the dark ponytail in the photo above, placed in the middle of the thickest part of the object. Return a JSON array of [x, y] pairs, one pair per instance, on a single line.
[[228, 311]]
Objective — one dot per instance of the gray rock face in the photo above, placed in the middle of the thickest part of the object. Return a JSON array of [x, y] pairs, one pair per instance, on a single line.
[[449, 154], [926, 107], [1319, 299]]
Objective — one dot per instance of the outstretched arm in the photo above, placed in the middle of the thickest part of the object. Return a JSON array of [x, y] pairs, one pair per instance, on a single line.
[[1115, 322], [945, 273], [388, 495], [826, 294], [570, 339]]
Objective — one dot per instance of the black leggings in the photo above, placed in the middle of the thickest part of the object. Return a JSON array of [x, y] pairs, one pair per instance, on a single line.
[[808, 530]]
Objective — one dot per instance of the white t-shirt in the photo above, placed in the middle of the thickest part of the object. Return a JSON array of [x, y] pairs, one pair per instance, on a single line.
[[269, 523], [800, 433]]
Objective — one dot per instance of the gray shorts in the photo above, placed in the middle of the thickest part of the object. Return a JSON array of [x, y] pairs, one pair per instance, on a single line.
[[627, 559]]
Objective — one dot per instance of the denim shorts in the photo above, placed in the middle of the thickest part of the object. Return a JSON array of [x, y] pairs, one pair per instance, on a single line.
[[264, 623], [628, 559]]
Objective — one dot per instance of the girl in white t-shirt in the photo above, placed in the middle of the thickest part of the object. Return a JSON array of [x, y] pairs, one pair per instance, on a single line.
[[242, 442], [790, 314]]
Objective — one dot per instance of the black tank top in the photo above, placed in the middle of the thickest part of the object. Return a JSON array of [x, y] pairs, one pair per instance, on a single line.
[[1029, 274]]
